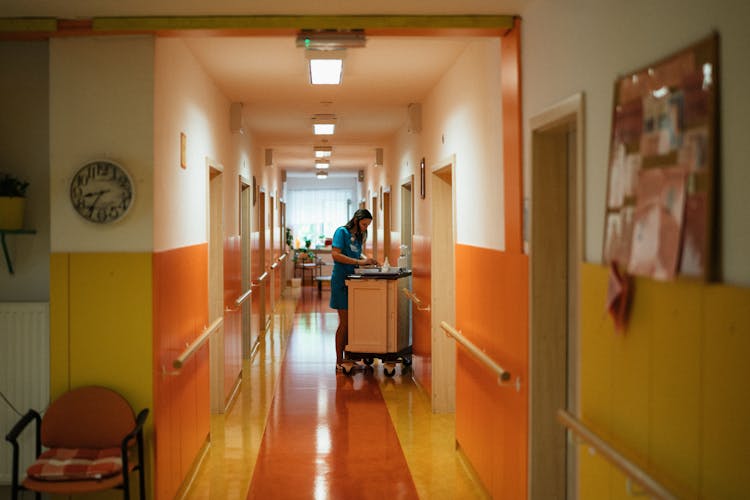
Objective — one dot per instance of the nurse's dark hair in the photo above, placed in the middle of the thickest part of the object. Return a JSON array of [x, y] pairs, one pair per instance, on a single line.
[[353, 224]]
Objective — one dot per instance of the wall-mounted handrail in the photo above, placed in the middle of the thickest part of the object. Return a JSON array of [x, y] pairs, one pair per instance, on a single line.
[[502, 374], [190, 349], [413, 297], [275, 265], [260, 279], [242, 298], [650, 485]]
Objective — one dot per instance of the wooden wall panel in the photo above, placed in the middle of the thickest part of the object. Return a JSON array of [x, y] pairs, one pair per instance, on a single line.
[[422, 326], [670, 390], [232, 314], [492, 419], [181, 400]]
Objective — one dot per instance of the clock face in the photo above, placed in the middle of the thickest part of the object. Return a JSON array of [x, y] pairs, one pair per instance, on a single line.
[[101, 192]]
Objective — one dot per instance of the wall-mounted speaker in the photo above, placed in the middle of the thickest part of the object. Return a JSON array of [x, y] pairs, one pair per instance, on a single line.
[[235, 118], [414, 118], [378, 157], [269, 157]]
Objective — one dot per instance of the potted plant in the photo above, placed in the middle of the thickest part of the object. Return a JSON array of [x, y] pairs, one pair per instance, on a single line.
[[12, 202]]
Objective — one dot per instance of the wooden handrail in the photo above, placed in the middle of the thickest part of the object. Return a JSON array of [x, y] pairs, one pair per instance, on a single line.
[[631, 470], [260, 279], [502, 374], [190, 350], [417, 302], [242, 298]]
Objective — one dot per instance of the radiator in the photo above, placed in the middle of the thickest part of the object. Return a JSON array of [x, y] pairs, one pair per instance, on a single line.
[[24, 374]]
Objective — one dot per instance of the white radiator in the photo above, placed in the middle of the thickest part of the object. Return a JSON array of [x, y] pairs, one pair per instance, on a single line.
[[24, 374]]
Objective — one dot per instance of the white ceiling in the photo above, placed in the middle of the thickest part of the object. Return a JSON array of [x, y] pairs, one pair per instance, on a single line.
[[268, 75]]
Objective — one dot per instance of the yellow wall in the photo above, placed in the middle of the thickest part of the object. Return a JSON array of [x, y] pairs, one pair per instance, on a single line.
[[100, 324], [672, 390]]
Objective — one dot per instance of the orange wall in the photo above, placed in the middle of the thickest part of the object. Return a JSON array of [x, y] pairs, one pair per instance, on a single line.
[[492, 419], [421, 320], [232, 314], [181, 401]]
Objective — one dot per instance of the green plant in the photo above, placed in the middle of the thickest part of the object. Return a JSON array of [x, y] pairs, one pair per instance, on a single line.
[[12, 186], [310, 255], [289, 238]]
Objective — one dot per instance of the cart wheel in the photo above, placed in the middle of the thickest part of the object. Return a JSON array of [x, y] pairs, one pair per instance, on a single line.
[[389, 372], [368, 361], [406, 361]]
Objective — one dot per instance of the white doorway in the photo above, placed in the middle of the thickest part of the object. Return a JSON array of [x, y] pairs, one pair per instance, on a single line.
[[215, 231], [442, 207], [556, 248]]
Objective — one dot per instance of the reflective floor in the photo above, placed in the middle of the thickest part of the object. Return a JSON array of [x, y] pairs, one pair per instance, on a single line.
[[300, 430]]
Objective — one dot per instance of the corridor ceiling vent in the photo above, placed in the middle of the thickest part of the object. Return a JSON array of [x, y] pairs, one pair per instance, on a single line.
[[324, 124], [325, 51], [322, 151]]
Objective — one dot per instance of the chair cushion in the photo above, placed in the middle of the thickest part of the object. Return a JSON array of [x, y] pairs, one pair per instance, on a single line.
[[73, 464]]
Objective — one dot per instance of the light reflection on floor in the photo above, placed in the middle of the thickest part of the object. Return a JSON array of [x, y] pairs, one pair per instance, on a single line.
[[426, 439]]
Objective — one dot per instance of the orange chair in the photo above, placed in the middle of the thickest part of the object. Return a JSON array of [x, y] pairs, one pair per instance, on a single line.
[[90, 434]]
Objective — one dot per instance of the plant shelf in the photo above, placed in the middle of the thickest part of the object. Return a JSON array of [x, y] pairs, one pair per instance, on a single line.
[[3, 232]]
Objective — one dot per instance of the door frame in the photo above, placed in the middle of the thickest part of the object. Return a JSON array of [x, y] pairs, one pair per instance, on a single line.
[[215, 236], [557, 224], [443, 300]]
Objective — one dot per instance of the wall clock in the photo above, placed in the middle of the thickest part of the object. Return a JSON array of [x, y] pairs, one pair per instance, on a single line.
[[101, 191]]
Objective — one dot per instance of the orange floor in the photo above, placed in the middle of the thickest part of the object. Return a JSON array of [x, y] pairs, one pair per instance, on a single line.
[[300, 430]]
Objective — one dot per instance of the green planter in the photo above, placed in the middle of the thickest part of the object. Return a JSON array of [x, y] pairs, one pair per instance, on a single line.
[[11, 212]]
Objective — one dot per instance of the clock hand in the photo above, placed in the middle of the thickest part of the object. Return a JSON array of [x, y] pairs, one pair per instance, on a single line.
[[98, 195]]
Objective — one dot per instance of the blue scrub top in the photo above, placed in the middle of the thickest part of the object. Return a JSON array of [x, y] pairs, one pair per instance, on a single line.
[[351, 247]]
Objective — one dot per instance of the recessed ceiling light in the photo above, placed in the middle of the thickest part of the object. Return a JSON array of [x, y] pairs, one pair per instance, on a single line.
[[324, 124], [323, 151], [322, 165], [321, 174], [326, 67]]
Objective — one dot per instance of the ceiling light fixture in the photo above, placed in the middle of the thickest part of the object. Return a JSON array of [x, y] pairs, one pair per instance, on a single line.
[[323, 151], [325, 51], [322, 165], [324, 124], [321, 174], [326, 66]]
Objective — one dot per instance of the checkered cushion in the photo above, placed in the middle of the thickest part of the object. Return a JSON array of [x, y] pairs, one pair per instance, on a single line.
[[60, 464]]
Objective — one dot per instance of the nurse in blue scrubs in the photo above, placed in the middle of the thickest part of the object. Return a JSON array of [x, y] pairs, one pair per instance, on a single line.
[[346, 252]]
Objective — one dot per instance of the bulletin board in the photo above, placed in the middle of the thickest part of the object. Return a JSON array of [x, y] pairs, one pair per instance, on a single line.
[[663, 166]]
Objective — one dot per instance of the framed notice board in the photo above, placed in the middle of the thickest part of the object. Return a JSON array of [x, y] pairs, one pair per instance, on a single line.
[[663, 166]]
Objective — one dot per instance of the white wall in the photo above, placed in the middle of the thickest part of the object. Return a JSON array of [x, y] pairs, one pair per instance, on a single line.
[[24, 142], [188, 101], [462, 117], [101, 106], [571, 46]]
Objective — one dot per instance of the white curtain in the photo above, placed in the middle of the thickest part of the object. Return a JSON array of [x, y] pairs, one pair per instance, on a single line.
[[316, 213]]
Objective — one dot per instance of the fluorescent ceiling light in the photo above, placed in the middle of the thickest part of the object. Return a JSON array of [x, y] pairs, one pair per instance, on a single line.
[[324, 128], [322, 165], [322, 174], [324, 124], [325, 71], [323, 151]]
